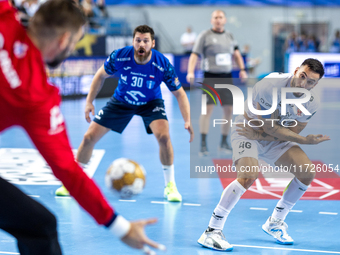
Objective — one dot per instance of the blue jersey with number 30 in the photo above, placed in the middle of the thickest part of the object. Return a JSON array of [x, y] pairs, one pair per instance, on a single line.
[[139, 84]]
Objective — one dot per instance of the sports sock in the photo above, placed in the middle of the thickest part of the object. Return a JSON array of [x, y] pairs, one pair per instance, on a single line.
[[169, 174], [203, 139], [224, 139], [293, 192], [229, 198]]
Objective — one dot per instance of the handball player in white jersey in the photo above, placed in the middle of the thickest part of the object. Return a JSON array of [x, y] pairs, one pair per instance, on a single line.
[[274, 143]]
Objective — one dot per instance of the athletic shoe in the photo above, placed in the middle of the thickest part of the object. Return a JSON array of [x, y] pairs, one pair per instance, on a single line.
[[204, 151], [62, 191], [215, 240], [225, 148], [278, 229], [171, 193]]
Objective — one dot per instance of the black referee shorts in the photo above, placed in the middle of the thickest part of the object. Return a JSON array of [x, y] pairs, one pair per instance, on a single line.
[[218, 78]]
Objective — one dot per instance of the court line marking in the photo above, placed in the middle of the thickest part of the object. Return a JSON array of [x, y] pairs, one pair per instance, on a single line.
[[257, 208], [4, 252], [298, 211], [285, 249], [159, 202], [126, 200], [63, 197], [188, 204], [329, 213], [33, 196]]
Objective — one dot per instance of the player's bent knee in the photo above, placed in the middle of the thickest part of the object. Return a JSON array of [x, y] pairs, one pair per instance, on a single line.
[[246, 182], [89, 138]]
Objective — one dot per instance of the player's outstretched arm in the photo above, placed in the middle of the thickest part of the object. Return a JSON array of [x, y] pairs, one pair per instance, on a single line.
[[184, 106], [96, 85], [285, 134], [252, 134]]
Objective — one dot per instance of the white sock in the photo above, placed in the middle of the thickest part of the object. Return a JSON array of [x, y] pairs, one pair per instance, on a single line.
[[169, 174], [230, 196], [291, 195]]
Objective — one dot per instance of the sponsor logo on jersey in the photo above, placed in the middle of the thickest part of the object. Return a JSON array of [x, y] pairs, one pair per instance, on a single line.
[[265, 103], [159, 67], [127, 68], [135, 93], [6, 66], [151, 76], [140, 74], [123, 78], [150, 84], [177, 81], [123, 59], [20, 49], [299, 112]]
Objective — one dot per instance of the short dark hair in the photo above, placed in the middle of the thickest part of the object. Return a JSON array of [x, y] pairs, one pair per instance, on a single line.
[[55, 17], [143, 29], [315, 66]]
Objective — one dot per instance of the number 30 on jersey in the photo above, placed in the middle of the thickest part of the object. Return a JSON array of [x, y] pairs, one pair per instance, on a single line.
[[137, 81]]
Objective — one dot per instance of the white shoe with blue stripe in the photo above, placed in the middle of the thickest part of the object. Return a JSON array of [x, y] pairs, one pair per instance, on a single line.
[[215, 240], [277, 229]]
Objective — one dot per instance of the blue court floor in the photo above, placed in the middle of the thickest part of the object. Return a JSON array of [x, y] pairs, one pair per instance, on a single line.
[[181, 224]]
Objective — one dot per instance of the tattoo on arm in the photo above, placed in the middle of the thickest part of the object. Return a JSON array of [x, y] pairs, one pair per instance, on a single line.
[[264, 134]]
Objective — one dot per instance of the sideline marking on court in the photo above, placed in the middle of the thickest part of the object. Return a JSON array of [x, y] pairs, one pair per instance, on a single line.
[[63, 197], [329, 213], [285, 249], [257, 208], [126, 200], [159, 202], [33, 196], [188, 204], [3, 252]]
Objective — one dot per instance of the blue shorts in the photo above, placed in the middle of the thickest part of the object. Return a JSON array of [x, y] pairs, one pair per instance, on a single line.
[[116, 114]]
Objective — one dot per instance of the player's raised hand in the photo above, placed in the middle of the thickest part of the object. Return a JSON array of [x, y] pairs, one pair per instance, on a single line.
[[89, 108], [315, 139], [188, 127], [137, 239]]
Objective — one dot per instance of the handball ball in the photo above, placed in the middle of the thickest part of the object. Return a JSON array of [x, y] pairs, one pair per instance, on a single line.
[[126, 177]]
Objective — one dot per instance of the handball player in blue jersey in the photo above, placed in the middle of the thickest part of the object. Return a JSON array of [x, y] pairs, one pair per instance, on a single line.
[[141, 70]]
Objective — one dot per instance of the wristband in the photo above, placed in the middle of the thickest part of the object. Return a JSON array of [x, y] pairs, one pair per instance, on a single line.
[[120, 226]]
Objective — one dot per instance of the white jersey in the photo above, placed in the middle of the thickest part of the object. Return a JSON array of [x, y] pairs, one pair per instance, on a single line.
[[263, 94]]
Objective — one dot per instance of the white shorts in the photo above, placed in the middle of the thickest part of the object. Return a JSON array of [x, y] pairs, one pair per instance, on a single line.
[[269, 151]]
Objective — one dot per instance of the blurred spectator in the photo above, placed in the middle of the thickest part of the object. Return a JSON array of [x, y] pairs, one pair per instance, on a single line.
[[312, 44], [188, 40], [102, 7], [335, 47], [291, 44], [87, 6], [302, 42]]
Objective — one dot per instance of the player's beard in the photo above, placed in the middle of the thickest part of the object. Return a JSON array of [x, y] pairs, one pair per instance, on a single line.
[[58, 59], [143, 57]]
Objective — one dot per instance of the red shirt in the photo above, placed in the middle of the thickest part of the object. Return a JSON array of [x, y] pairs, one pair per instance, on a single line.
[[28, 99]]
